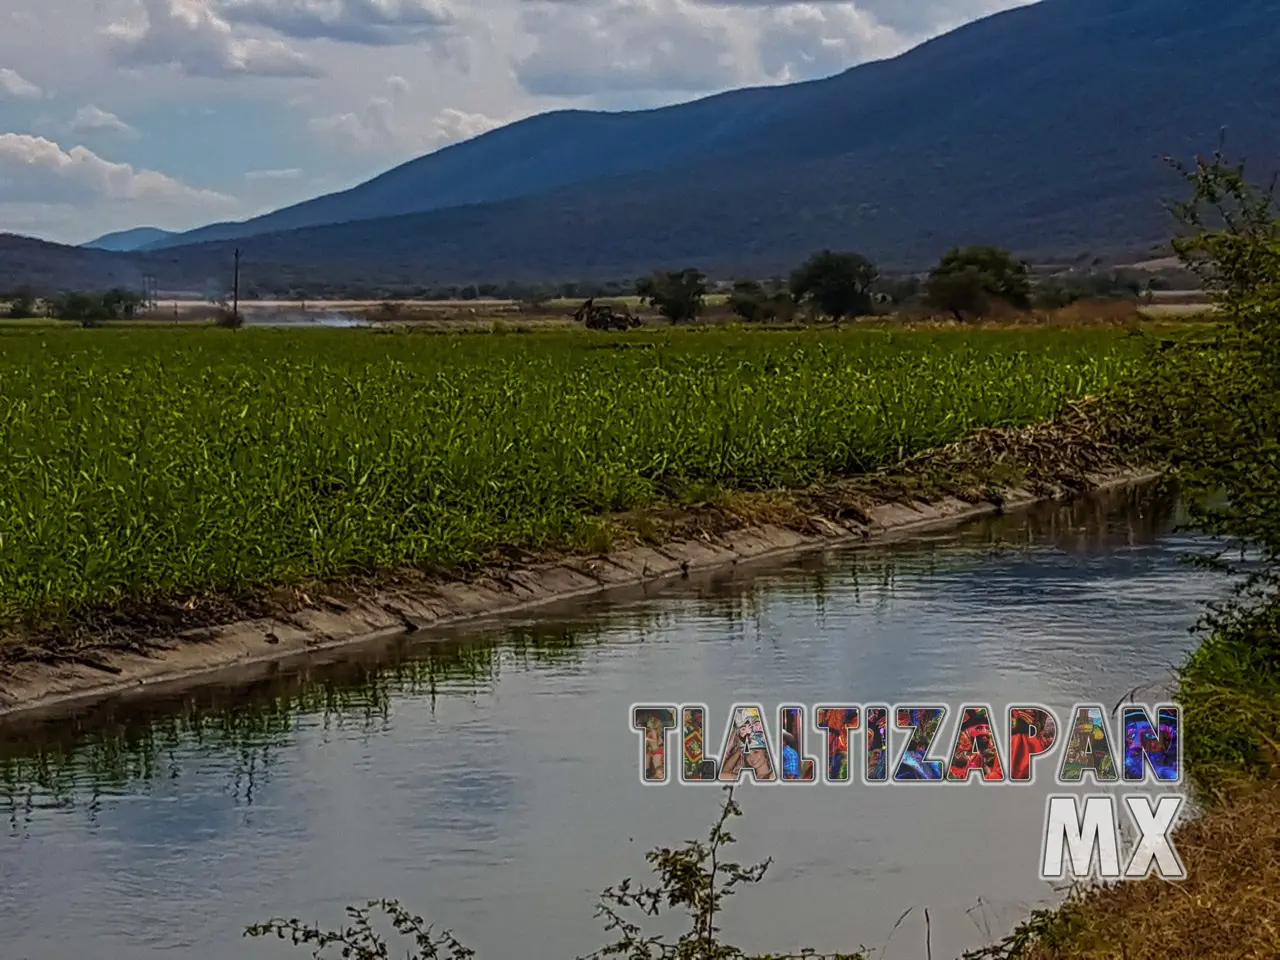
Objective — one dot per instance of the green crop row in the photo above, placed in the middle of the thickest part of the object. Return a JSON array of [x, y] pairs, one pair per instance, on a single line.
[[137, 463]]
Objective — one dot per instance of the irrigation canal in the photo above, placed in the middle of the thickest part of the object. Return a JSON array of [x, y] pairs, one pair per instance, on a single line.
[[490, 780]]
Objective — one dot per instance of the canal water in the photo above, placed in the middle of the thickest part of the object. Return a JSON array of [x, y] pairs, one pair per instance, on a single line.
[[489, 778]]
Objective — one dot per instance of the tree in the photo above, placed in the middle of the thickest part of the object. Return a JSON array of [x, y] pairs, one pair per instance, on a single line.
[[747, 300], [86, 309], [967, 280], [838, 284], [678, 295], [899, 290], [1209, 406], [1055, 295], [962, 292], [756, 303], [22, 303], [119, 303], [95, 309]]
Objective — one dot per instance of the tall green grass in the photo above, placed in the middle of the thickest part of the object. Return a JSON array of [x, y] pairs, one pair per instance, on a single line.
[[134, 463]]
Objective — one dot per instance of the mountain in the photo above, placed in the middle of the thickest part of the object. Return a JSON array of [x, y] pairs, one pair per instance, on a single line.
[[47, 267], [1040, 129], [126, 240], [530, 156]]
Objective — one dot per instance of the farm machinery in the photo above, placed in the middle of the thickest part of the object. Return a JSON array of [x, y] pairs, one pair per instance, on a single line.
[[605, 317]]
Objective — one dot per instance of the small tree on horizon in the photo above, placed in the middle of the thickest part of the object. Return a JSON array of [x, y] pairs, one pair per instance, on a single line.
[[755, 302], [968, 279], [838, 284], [121, 304], [86, 309], [678, 295], [22, 303]]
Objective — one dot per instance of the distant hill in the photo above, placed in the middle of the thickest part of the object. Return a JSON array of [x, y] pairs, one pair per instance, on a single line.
[[46, 267], [126, 240], [1040, 128]]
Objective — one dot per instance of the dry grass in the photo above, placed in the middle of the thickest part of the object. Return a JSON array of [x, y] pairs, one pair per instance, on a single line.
[[1228, 907], [1084, 439], [1083, 313], [1157, 310], [1096, 311]]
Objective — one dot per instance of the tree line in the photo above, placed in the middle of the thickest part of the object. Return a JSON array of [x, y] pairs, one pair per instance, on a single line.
[[86, 308], [967, 283], [977, 288]]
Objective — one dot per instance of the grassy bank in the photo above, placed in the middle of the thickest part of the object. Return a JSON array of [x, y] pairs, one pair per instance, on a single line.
[[1229, 690], [144, 465], [1213, 413]]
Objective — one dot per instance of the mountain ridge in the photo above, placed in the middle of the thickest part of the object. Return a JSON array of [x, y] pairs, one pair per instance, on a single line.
[[721, 120], [455, 159], [124, 241]]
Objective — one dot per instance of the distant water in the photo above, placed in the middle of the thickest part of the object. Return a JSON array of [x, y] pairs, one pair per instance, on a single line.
[[318, 318], [489, 778]]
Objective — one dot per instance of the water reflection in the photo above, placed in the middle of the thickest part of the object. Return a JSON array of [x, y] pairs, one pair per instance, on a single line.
[[56, 764], [488, 777]]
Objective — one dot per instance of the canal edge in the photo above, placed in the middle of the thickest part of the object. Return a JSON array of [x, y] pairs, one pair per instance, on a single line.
[[202, 655]]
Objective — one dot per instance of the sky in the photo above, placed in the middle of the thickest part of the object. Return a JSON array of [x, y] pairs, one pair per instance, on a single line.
[[176, 113]]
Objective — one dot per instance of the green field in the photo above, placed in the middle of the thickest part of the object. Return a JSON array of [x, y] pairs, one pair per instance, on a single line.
[[139, 463]]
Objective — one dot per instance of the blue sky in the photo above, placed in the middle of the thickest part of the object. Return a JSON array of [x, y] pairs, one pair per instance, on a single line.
[[175, 113]]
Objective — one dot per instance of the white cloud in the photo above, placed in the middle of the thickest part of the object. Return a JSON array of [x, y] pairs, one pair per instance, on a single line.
[[91, 119], [628, 45], [191, 35], [74, 194], [14, 84], [914, 18], [34, 170], [369, 126], [452, 125], [291, 173], [588, 48], [804, 41], [388, 124], [371, 22]]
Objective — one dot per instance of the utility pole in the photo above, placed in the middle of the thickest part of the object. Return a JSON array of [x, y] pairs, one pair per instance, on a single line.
[[235, 286]]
